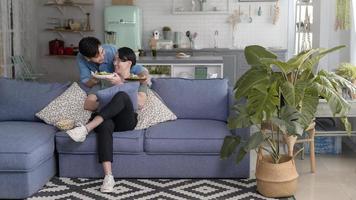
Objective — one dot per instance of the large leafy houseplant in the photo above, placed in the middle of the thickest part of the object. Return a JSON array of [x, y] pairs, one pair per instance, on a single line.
[[284, 96]]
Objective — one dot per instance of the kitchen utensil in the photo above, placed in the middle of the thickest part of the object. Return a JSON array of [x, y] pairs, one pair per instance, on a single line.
[[216, 35], [249, 14], [54, 46], [259, 12]]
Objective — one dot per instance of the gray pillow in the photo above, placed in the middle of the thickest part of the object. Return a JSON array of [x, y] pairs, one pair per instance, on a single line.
[[105, 95], [21, 100]]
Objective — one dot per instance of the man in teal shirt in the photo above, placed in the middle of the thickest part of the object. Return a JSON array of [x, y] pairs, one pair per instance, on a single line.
[[94, 57]]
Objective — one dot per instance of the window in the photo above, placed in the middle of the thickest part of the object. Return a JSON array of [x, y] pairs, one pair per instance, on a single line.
[[17, 31]]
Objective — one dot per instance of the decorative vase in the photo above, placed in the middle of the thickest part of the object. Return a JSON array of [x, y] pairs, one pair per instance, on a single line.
[[167, 35], [276, 180]]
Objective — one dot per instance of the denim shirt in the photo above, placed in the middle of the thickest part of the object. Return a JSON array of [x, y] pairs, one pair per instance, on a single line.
[[86, 67]]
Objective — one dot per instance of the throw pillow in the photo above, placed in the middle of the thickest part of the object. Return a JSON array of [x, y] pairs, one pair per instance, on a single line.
[[105, 95], [68, 106], [154, 112]]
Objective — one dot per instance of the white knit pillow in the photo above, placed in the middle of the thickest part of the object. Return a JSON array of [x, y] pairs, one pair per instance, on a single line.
[[68, 106], [153, 112]]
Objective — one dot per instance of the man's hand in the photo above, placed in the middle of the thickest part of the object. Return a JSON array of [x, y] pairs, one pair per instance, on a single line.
[[92, 82], [116, 79]]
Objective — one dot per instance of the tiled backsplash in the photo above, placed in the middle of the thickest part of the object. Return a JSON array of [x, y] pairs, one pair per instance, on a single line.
[[158, 13]]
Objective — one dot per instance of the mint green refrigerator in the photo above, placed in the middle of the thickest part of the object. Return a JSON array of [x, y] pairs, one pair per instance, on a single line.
[[123, 26]]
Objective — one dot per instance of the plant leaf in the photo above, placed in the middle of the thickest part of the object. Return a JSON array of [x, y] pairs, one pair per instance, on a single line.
[[242, 120], [287, 121], [240, 155], [262, 103], [229, 146], [288, 93], [254, 53], [346, 124], [338, 105], [308, 105], [253, 77], [254, 141]]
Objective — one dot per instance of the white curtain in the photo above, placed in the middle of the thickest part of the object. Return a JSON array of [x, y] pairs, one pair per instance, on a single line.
[[20, 36]]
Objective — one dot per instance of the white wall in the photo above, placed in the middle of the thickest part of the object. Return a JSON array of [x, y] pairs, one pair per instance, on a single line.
[[158, 13], [328, 38]]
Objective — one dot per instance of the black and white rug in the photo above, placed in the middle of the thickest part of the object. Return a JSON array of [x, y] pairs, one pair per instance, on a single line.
[[151, 189]]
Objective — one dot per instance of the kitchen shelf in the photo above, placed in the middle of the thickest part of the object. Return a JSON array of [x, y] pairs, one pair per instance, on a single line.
[[185, 7], [60, 7], [63, 56], [200, 12], [60, 31]]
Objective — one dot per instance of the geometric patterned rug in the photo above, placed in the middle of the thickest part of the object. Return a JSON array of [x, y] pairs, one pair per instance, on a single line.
[[151, 189]]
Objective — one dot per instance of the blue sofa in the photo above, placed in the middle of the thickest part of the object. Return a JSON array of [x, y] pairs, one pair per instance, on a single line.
[[185, 148]]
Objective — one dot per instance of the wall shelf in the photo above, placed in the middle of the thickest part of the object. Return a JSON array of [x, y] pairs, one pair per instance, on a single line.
[[63, 56], [209, 7], [60, 7], [60, 31], [200, 12]]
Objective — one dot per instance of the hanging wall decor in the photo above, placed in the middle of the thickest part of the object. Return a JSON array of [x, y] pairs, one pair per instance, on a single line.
[[342, 15], [306, 40], [233, 20], [276, 11]]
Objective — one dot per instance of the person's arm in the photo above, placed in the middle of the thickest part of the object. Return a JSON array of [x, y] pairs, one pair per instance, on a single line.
[[91, 102], [85, 73], [142, 95]]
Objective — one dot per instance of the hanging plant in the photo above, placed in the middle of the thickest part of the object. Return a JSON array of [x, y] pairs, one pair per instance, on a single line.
[[342, 15]]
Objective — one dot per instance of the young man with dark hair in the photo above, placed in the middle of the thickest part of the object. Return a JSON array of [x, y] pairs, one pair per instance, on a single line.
[[93, 56]]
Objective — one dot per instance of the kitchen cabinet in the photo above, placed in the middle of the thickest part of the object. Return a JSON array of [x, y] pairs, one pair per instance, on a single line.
[[234, 62], [192, 67]]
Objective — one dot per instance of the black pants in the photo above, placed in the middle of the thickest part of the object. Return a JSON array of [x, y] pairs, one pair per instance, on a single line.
[[119, 115]]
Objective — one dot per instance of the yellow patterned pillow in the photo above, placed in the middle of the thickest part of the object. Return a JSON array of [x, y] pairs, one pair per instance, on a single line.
[[68, 106], [153, 112]]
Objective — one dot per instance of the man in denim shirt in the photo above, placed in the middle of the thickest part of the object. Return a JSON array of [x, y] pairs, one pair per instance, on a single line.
[[94, 57]]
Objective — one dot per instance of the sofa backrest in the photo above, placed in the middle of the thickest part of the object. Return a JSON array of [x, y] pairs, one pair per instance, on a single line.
[[194, 99], [21, 100]]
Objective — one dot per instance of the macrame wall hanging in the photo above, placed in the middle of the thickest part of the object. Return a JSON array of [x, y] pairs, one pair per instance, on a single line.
[[342, 15]]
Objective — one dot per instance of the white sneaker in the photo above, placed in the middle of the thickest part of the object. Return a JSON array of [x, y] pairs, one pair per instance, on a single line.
[[108, 184], [79, 133]]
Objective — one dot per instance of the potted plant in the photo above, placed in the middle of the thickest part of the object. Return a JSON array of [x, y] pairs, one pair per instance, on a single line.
[[167, 33], [348, 71], [280, 100]]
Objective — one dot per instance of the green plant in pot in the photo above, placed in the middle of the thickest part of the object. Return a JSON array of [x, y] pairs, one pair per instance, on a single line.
[[348, 71], [167, 33], [279, 99]]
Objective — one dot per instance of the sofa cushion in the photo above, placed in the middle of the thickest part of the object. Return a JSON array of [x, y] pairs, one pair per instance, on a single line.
[[21, 100], [194, 99], [68, 106], [186, 136], [105, 95], [128, 142], [25, 145], [153, 112]]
